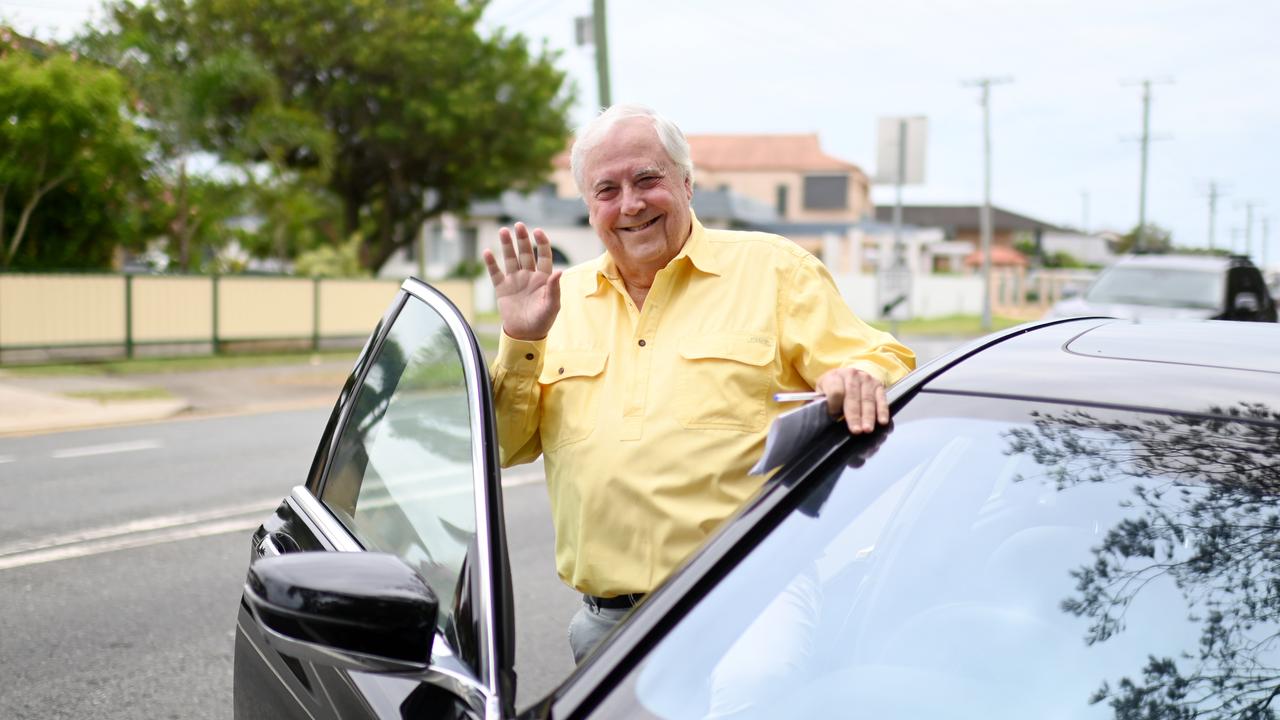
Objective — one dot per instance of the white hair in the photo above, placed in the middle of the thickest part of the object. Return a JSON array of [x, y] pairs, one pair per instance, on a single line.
[[590, 135]]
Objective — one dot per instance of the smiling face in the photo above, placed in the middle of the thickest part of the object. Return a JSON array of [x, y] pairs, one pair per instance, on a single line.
[[638, 199]]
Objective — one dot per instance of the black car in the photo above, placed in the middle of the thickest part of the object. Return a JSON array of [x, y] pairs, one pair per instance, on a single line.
[[1076, 518]]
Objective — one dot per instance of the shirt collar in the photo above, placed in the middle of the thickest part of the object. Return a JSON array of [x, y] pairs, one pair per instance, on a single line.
[[697, 249]]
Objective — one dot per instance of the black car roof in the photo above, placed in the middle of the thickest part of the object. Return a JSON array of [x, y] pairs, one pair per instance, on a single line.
[[1184, 262], [1176, 366]]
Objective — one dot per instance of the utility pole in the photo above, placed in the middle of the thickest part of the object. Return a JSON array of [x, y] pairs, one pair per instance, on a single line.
[[601, 37], [1084, 211], [1214, 193], [1265, 240], [1248, 226], [1142, 177], [985, 218]]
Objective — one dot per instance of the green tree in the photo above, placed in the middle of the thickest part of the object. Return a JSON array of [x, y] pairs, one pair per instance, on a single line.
[[1155, 239], [69, 159], [334, 261], [180, 98], [423, 114]]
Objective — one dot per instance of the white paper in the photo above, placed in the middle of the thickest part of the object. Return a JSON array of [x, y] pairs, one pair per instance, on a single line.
[[790, 432]]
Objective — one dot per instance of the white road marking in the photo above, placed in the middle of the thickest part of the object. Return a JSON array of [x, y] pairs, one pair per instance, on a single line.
[[106, 449], [133, 527], [165, 529], [137, 533], [95, 547], [7, 459]]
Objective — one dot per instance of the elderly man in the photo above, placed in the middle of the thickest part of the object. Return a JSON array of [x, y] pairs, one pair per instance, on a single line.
[[646, 377]]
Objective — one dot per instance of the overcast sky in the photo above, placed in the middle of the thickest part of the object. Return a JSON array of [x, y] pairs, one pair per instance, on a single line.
[[1064, 129]]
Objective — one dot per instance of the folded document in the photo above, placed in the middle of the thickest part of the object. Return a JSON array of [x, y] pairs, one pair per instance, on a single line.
[[791, 433]]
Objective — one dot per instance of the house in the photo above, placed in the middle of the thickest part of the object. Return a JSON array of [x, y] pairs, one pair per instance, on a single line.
[[1088, 249], [962, 225]]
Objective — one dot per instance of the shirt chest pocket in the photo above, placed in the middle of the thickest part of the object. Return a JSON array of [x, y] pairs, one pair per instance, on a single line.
[[571, 382], [722, 381]]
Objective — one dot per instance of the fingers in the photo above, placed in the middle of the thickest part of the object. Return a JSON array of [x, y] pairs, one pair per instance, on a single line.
[[491, 264], [519, 252], [553, 289], [524, 248], [544, 250], [834, 394], [508, 250], [856, 395], [866, 395]]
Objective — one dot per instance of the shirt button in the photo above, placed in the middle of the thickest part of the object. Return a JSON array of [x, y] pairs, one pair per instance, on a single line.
[[528, 356], [560, 371], [642, 343]]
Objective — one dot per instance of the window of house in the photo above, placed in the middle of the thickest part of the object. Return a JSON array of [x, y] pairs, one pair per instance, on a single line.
[[781, 201], [826, 192]]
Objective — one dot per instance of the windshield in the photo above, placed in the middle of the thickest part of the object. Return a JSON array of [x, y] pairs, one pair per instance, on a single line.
[[1159, 286], [1042, 561]]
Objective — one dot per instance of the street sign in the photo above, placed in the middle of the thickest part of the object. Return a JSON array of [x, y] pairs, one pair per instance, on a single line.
[[893, 294], [912, 157]]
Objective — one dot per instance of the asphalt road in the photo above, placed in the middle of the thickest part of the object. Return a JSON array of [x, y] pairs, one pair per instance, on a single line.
[[122, 554]]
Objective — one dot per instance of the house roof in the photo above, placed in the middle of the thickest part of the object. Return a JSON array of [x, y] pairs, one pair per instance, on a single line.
[[723, 153], [763, 152], [1001, 256], [963, 217]]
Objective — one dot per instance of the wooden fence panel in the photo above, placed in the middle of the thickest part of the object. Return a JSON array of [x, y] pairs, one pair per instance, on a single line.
[[61, 310], [265, 308], [353, 307], [172, 309]]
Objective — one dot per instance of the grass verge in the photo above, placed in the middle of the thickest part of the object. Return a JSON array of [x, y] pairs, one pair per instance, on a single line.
[[949, 326], [138, 366], [113, 396]]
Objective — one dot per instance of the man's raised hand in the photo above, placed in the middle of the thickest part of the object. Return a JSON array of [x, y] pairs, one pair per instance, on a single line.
[[529, 290]]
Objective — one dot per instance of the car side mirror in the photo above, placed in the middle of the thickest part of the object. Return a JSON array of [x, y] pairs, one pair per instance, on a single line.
[[1246, 302], [353, 610]]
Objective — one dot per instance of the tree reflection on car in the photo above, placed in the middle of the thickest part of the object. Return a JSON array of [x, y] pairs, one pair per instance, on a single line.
[[1207, 492]]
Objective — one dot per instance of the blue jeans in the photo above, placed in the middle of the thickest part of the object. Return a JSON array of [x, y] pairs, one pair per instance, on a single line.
[[589, 626]]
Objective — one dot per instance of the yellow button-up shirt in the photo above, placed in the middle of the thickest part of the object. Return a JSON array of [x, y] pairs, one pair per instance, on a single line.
[[650, 419]]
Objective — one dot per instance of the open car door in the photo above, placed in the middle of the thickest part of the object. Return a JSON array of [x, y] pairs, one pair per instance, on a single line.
[[381, 588]]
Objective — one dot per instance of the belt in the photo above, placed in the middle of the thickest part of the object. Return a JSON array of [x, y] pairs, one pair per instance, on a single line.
[[620, 602]]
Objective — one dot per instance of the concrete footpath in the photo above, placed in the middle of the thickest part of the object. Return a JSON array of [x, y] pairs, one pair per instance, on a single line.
[[32, 404]]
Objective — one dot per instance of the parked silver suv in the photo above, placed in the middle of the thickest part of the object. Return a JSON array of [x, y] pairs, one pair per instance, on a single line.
[[1176, 286]]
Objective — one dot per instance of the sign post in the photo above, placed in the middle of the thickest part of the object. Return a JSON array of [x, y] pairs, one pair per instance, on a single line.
[[899, 160]]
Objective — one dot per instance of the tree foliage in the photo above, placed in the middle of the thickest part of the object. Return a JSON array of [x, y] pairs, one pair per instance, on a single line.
[[1155, 239], [69, 161], [400, 108], [1206, 515]]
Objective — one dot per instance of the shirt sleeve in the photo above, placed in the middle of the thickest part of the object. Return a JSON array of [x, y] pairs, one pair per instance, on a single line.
[[516, 398], [819, 332]]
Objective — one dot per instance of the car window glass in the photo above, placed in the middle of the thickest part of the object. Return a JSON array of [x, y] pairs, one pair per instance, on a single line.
[[1164, 287], [401, 478], [1053, 561]]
